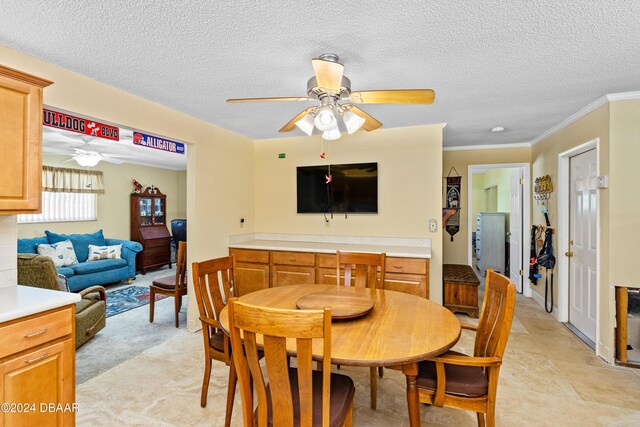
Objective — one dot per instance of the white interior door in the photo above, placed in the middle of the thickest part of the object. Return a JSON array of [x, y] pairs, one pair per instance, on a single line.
[[583, 243], [515, 230]]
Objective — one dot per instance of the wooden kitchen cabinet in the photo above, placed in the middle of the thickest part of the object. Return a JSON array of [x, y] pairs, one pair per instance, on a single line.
[[260, 269], [37, 369], [252, 270], [20, 141], [292, 268], [286, 275]]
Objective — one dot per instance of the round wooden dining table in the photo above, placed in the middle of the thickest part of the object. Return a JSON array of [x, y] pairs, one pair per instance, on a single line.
[[401, 330]]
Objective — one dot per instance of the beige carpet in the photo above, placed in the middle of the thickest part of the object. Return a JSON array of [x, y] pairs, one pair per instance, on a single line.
[[549, 378]]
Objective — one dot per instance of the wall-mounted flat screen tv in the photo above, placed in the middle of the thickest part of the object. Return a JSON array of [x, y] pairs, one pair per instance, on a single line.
[[353, 189]]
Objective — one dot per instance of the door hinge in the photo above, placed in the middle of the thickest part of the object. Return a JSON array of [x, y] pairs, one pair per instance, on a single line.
[[521, 181], [520, 272]]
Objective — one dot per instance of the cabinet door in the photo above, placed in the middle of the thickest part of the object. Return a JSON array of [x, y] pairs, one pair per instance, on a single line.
[[145, 211], [158, 211], [21, 146], [414, 284], [41, 376], [284, 275], [251, 277], [326, 276]]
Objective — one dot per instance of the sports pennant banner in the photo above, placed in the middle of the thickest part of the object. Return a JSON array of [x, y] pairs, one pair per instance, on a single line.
[[158, 143], [56, 119], [453, 201]]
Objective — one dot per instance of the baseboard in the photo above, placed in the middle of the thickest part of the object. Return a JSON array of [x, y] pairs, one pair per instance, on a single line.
[[540, 300]]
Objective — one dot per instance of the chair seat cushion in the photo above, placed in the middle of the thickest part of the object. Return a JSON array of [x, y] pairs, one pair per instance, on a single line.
[[217, 341], [342, 392], [98, 266], [467, 381], [167, 282]]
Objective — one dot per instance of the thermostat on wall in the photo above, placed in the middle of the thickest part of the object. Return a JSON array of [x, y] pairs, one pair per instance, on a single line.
[[602, 181]]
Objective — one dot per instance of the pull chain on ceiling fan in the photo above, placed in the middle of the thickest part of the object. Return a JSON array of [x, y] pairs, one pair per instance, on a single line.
[[334, 116]]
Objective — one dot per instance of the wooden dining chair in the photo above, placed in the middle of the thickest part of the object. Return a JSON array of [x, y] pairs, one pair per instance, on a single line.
[[174, 286], [470, 382], [292, 396], [363, 270], [213, 283]]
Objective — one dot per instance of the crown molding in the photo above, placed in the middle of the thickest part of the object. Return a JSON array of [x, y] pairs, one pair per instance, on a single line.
[[610, 97], [571, 119], [623, 96], [486, 147]]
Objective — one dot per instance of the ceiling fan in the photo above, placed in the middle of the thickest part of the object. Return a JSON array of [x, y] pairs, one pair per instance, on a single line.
[[88, 158], [337, 112]]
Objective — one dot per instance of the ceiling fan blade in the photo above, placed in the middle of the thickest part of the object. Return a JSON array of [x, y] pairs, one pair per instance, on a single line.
[[112, 160], [369, 122], [273, 99], [399, 96], [291, 125], [328, 74]]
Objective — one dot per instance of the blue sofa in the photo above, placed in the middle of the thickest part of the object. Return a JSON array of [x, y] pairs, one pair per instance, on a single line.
[[85, 274]]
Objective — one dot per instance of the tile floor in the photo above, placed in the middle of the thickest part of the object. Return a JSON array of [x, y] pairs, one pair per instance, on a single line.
[[549, 378]]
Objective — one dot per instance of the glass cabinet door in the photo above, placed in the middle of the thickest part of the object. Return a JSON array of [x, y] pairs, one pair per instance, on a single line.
[[145, 211], [158, 214]]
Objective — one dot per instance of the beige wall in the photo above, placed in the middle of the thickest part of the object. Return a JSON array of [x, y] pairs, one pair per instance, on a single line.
[[624, 194], [220, 163], [545, 161], [456, 252], [113, 205], [409, 186]]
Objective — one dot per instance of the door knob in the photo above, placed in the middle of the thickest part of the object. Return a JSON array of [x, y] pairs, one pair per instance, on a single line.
[[569, 254]]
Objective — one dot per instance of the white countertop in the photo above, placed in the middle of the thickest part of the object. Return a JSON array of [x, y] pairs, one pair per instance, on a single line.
[[20, 301], [394, 247]]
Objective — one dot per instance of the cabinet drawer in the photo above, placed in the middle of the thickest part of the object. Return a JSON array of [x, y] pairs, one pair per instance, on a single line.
[[327, 260], [406, 265], [157, 251], [407, 283], [293, 258], [155, 243], [249, 255], [25, 334]]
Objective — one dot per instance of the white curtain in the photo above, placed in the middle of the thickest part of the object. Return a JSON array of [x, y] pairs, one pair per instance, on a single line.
[[62, 180]]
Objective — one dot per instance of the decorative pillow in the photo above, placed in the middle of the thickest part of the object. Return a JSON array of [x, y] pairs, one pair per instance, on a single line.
[[61, 253], [104, 252], [80, 242]]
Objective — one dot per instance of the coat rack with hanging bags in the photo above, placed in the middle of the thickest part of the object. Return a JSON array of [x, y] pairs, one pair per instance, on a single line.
[[544, 258]]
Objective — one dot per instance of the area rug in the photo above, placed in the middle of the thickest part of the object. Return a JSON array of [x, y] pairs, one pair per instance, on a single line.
[[125, 299]]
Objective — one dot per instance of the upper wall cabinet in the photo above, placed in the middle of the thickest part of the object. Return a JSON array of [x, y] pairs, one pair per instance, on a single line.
[[20, 141]]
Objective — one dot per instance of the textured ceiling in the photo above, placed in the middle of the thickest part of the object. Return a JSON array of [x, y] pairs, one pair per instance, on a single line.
[[522, 65]]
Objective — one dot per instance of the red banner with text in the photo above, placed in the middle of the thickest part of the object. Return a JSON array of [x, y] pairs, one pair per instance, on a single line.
[[56, 119]]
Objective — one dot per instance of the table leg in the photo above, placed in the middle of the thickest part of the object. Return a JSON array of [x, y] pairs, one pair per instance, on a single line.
[[413, 401]]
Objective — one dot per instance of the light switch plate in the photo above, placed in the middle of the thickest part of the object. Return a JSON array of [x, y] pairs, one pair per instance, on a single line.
[[433, 225]]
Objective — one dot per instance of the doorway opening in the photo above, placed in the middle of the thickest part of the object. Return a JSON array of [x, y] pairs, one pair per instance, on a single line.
[[579, 241], [499, 220]]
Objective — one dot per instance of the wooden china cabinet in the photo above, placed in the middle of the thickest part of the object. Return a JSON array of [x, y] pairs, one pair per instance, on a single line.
[[149, 228]]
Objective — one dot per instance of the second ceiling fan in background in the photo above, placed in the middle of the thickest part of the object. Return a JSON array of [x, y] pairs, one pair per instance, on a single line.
[[337, 113]]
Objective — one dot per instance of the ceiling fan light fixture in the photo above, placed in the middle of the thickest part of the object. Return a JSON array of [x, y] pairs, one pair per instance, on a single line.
[[331, 135], [306, 124], [87, 160], [352, 121], [325, 119]]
